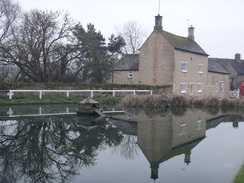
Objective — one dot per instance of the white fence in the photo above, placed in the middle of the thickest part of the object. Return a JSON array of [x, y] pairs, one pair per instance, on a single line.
[[10, 93], [235, 94]]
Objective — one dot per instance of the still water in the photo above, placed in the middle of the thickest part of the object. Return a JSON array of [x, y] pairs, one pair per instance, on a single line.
[[43, 144]]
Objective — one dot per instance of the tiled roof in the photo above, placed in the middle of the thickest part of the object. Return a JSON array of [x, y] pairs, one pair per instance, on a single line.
[[128, 62], [131, 61], [238, 66], [214, 66], [183, 43]]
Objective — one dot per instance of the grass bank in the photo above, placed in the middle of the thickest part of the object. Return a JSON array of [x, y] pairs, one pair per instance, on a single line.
[[240, 176], [57, 100], [140, 101]]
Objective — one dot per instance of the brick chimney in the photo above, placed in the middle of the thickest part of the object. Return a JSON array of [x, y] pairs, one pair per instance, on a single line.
[[191, 33], [238, 57], [158, 23]]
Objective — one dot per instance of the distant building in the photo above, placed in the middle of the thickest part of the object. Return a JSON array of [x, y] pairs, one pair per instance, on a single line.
[[168, 59], [218, 80], [235, 67]]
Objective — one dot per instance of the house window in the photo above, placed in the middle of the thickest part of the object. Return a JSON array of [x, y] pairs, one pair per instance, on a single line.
[[200, 68], [192, 86], [130, 75], [183, 87], [184, 66], [199, 124], [199, 87], [221, 85], [182, 129]]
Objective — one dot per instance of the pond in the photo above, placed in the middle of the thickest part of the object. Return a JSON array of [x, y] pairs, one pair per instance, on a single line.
[[50, 143]]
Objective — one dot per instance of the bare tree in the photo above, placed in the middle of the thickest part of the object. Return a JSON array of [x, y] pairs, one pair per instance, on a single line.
[[41, 46], [8, 14], [133, 35]]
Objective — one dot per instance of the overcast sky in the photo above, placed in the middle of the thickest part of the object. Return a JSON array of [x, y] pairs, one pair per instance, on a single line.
[[219, 24]]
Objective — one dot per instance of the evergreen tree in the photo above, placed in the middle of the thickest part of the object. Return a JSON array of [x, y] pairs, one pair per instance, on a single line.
[[98, 57]]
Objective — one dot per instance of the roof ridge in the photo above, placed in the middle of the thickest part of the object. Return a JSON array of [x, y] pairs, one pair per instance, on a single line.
[[183, 43]]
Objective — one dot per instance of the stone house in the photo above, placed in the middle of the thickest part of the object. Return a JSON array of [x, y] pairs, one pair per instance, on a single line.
[[167, 59], [235, 67], [218, 80]]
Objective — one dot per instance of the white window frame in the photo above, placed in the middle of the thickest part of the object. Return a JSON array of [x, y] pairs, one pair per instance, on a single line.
[[192, 88], [130, 75], [199, 87], [222, 86], [200, 68], [183, 87], [182, 128], [184, 66], [199, 124]]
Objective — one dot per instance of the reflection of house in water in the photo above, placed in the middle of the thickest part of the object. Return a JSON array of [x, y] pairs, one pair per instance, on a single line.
[[163, 137]]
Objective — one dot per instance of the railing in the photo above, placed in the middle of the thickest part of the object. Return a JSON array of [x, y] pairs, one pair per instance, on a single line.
[[39, 111], [10, 93], [235, 94]]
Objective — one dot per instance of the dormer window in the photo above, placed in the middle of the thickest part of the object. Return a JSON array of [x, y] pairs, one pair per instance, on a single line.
[[184, 66]]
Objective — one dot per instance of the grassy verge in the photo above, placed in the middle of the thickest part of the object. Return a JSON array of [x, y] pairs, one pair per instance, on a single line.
[[56, 100], [240, 176]]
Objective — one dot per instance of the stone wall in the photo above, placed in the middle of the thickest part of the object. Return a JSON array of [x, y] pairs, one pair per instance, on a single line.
[[218, 85], [192, 77]]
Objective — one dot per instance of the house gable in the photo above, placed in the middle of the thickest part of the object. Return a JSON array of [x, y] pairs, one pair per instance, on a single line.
[[156, 60]]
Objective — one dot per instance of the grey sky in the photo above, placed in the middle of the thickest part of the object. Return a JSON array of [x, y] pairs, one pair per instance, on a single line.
[[219, 24]]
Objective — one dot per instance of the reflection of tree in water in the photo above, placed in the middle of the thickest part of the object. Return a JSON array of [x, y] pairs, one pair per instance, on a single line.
[[129, 147], [49, 149]]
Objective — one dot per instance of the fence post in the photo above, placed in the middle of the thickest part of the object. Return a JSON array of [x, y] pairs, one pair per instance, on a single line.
[[40, 94], [113, 93], [40, 110], [91, 93], [10, 93], [67, 94]]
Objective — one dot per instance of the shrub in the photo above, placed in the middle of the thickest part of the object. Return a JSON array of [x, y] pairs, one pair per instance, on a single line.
[[147, 101], [131, 101], [229, 102], [197, 101], [211, 102], [179, 101], [241, 103]]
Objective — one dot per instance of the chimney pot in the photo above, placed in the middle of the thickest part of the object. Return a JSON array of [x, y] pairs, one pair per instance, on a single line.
[[191, 33], [238, 57], [158, 23]]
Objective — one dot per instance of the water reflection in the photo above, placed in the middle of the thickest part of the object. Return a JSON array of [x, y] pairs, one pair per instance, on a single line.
[[48, 149], [54, 148], [161, 137]]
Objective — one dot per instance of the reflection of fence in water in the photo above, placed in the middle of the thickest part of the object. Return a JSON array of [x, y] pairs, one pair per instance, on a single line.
[[41, 112], [51, 112]]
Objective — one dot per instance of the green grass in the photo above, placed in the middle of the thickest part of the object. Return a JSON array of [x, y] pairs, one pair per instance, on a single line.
[[56, 100], [37, 100], [240, 176]]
